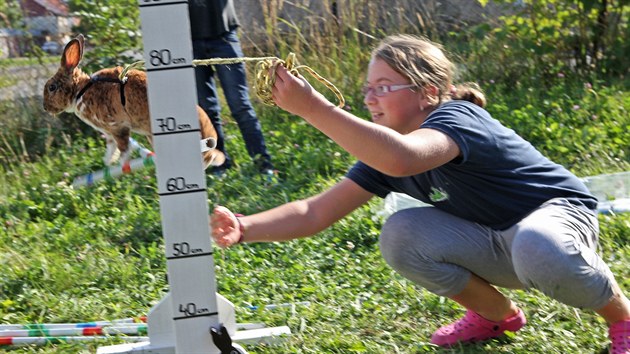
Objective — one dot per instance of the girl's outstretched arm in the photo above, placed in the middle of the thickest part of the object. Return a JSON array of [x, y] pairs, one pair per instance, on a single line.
[[289, 221], [382, 148]]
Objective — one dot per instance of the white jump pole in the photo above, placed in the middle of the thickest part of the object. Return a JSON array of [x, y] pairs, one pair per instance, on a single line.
[[183, 321]]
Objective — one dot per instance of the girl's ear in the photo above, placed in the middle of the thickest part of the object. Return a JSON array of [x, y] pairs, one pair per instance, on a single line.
[[431, 91], [430, 95]]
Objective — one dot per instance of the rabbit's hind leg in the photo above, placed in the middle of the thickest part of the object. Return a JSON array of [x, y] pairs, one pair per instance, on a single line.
[[112, 153], [122, 142]]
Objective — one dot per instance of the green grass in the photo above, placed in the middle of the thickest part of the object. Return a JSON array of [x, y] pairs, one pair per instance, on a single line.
[[7, 79], [45, 59], [97, 253], [75, 255]]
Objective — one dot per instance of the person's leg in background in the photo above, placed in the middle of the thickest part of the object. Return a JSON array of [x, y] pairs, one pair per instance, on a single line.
[[208, 98], [234, 83]]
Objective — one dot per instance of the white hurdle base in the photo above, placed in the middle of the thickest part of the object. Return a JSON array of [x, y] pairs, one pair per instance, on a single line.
[[162, 336]]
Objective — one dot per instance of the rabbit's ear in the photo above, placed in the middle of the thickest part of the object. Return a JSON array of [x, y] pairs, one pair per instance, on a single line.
[[72, 54], [81, 40]]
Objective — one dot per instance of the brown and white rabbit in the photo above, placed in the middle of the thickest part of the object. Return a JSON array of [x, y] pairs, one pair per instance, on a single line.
[[113, 106]]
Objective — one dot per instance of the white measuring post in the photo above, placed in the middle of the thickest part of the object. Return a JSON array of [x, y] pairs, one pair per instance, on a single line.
[[180, 323], [181, 182], [181, 179]]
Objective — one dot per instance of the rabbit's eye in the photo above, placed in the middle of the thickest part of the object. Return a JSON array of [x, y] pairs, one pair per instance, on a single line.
[[52, 87]]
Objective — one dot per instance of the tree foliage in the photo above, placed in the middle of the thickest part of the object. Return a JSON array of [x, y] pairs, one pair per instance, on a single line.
[[10, 14], [546, 37], [112, 30]]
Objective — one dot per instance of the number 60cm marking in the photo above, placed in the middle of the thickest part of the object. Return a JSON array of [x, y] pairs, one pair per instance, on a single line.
[[177, 184]]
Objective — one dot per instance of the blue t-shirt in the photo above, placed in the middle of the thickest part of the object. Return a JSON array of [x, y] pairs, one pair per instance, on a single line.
[[497, 180]]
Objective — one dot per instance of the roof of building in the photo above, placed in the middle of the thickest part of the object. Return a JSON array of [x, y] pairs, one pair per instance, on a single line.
[[45, 7]]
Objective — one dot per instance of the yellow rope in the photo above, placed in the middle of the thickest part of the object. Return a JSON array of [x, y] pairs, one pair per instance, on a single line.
[[135, 65], [264, 81]]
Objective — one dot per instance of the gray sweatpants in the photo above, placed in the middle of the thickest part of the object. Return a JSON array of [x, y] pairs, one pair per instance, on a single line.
[[552, 250]]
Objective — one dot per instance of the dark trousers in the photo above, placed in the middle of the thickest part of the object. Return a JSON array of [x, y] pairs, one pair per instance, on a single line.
[[234, 83]]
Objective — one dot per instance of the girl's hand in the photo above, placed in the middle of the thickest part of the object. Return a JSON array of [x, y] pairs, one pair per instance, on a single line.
[[226, 229], [295, 95]]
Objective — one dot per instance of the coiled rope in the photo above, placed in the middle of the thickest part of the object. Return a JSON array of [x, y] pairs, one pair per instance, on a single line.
[[265, 77]]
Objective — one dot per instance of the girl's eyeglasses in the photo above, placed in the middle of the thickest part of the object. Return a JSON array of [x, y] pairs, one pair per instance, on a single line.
[[382, 90]]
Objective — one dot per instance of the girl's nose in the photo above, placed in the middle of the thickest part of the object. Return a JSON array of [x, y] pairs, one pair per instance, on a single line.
[[369, 98]]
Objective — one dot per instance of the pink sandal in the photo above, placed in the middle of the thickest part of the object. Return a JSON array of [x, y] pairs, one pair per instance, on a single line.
[[474, 328], [619, 334]]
